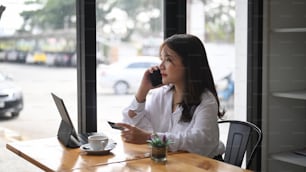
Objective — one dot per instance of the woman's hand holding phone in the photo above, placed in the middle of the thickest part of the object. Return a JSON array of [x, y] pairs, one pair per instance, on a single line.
[[114, 126], [151, 79], [156, 78]]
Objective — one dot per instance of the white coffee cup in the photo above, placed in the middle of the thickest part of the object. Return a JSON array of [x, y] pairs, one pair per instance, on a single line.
[[97, 142]]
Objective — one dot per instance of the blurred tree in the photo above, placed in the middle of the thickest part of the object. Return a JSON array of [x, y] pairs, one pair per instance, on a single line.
[[219, 20], [54, 14], [122, 19]]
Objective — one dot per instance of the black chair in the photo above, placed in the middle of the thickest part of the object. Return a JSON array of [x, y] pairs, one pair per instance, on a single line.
[[239, 134]]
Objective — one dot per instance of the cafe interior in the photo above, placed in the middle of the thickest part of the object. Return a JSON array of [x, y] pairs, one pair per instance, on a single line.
[[270, 82]]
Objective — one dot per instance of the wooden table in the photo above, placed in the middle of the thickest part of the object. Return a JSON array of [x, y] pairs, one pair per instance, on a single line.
[[50, 155], [180, 162]]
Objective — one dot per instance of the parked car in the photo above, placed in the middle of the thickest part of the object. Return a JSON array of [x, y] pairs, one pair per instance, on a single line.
[[59, 58], [11, 97], [63, 58], [2, 55], [22, 55], [12, 55], [124, 76], [36, 58]]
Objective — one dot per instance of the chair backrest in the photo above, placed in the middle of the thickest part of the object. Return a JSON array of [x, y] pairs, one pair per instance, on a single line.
[[238, 138]]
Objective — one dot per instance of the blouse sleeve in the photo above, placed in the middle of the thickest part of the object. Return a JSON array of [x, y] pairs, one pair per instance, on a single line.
[[141, 119]]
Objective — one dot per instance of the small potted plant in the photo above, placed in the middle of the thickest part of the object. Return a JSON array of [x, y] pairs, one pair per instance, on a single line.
[[159, 147]]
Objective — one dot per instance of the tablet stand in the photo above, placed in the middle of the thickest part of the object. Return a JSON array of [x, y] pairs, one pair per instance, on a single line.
[[67, 136]]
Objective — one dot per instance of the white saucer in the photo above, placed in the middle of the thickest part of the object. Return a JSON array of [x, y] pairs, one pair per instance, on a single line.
[[86, 148]]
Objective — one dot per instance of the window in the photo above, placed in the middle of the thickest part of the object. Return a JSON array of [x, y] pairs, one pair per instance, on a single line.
[[126, 30], [39, 55], [222, 26], [217, 23]]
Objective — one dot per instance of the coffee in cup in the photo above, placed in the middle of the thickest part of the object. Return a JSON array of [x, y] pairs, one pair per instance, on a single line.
[[97, 142]]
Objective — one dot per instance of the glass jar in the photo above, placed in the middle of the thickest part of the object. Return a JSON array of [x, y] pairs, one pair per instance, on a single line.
[[159, 154]]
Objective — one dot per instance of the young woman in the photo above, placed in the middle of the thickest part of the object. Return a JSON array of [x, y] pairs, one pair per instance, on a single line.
[[184, 108]]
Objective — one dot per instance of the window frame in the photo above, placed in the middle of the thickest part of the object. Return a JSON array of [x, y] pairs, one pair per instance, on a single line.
[[86, 65]]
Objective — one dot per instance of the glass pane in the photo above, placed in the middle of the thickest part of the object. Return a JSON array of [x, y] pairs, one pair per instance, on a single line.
[[222, 26], [37, 50], [37, 54], [128, 37], [217, 23]]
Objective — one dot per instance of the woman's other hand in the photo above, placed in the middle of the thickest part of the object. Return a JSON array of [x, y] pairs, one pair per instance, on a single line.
[[132, 134]]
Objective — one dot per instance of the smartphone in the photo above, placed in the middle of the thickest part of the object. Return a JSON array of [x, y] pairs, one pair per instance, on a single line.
[[156, 78], [113, 125]]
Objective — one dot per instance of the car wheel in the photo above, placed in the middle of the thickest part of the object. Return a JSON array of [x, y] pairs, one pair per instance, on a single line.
[[121, 88], [15, 114]]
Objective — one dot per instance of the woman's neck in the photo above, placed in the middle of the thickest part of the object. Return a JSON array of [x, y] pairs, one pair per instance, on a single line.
[[177, 96], [178, 92]]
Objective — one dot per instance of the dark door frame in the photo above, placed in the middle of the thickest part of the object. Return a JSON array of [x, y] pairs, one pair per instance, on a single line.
[[254, 71]]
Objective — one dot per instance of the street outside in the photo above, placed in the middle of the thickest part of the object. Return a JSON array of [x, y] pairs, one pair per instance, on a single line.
[[37, 83]]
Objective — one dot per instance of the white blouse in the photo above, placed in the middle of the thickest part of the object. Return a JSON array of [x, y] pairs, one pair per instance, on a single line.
[[200, 135]]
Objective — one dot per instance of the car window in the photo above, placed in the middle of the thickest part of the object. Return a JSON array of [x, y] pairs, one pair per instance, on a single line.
[[141, 65], [154, 64]]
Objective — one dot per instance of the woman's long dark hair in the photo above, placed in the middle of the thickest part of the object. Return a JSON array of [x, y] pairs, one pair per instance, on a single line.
[[198, 76]]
